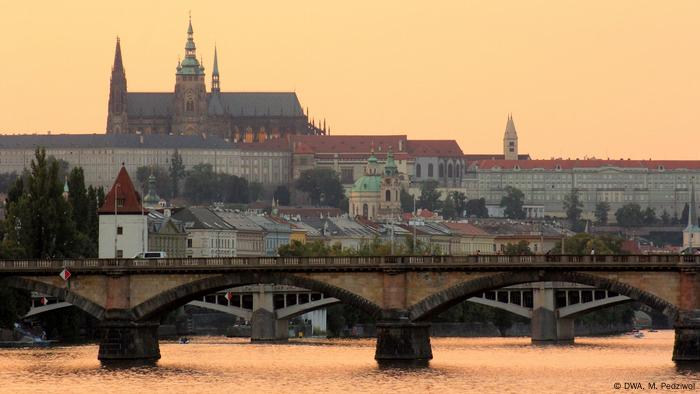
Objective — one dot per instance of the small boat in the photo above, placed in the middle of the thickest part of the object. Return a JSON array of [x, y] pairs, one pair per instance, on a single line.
[[652, 330], [639, 335], [184, 341]]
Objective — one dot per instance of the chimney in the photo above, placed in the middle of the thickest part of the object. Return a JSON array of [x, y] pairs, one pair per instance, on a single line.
[[141, 139]]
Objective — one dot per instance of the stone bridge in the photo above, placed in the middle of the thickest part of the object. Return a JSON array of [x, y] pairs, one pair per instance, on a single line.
[[403, 293]]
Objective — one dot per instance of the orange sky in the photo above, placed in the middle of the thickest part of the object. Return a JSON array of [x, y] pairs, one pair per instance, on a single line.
[[582, 78]]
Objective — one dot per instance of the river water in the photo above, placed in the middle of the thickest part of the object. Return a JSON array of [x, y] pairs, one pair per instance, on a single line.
[[484, 365]]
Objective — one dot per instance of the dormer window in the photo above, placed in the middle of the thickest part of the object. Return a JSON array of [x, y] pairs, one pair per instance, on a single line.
[[516, 168], [558, 167], [660, 168], [120, 202]]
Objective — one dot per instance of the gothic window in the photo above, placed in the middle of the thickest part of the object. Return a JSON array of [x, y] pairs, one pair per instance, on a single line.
[[441, 170], [418, 171], [430, 170], [388, 195], [189, 106], [449, 170], [365, 211]]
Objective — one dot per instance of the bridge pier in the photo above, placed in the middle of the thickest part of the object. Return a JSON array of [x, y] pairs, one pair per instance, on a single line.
[[264, 324], [546, 326], [402, 341], [686, 346], [125, 340]]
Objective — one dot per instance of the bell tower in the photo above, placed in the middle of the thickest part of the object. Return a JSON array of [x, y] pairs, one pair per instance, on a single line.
[[117, 122], [510, 140], [190, 99]]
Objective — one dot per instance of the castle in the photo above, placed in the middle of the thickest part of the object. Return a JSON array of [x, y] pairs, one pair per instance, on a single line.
[[245, 117]]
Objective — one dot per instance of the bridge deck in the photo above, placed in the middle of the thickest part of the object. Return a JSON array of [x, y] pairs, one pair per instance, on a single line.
[[378, 263]]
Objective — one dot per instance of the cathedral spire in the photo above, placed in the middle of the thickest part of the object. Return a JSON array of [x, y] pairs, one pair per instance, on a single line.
[[116, 108], [118, 65], [510, 140], [190, 65], [215, 74]]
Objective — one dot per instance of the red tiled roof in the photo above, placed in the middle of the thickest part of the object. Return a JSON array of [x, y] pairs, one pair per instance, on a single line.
[[122, 189], [272, 145], [465, 228], [434, 148], [589, 163], [495, 156]]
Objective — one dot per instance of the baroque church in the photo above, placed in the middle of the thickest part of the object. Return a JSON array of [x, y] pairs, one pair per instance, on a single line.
[[190, 110]]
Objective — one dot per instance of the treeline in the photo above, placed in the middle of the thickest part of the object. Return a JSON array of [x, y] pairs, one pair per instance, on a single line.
[[455, 205], [40, 223]]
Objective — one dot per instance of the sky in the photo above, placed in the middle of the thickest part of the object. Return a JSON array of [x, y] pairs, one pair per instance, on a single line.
[[609, 79]]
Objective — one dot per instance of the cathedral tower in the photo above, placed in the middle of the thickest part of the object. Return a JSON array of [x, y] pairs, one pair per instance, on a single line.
[[117, 122], [190, 99], [510, 141]]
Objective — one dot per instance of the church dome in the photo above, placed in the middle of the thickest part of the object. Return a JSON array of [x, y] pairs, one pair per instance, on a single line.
[[368, 183]]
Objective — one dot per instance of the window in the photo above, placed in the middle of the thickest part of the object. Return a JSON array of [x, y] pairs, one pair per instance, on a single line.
[[120, 202], [441, 170], [418, 171], [388, 195], [120, 230], [365, 210], [449, 170], [346, 175], [189, 106], [189, 242], [430, 170], [120, 253]]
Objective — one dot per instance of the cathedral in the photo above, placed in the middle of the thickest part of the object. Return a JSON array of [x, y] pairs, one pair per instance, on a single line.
[[243, 117]]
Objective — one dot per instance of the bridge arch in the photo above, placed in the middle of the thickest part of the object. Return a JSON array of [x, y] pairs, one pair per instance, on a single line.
[[180, 295], [78, 301], [436, 303]]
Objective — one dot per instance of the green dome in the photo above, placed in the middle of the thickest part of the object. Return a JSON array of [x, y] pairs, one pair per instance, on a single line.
[[368, 183]]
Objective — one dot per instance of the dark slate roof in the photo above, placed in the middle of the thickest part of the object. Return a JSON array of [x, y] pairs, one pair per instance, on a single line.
[[201, 218], [97, 141], [233, 103]]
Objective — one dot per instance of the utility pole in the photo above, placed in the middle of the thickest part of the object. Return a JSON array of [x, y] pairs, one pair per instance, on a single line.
[[414, 224]]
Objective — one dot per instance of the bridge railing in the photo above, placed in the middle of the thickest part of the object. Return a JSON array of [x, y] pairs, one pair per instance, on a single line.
[[344, 261]]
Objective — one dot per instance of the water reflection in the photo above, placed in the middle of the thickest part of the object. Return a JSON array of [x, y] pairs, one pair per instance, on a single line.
[[459, 365]]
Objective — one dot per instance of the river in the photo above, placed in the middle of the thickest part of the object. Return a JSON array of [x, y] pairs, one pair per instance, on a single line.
[[223, 365]]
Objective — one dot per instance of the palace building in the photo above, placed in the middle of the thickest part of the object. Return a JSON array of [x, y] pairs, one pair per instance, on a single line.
[[190, 110]]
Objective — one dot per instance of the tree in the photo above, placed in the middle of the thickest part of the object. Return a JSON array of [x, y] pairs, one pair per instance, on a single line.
[[39, 221], [281, 194], [521, 248], [200, 184], [78, 199], [684, 214], [460, 202], [322, 186], [476, 208], [512, 201], [163, 182], [6, 181], [15, 304], [584, 243], [665, 218], [649, 216], [449, 211], [573, 207], [234, 189], [176, 172], [630, 215], [429, 196], [601, 212], [407, 201], [256, 190]]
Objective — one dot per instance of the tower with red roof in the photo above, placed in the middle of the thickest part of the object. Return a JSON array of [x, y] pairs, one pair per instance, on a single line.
[[123, 229]]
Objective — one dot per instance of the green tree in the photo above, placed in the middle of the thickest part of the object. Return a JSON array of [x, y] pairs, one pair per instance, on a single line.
[[584, 243], [6, 181], [449, 211], [649, 216], [15, 304], [573, 207], [684, 214], [256, 191], [40, 220], [630, 215], [512, 201], [601, 212], [476, 208], [407, 201], [281, 194], [521, 248], [234, 189], [163, 182], [78, 199], [665, 218], [176, 172], [460, 203], [322, 186], [200, 184], [429, 196]]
